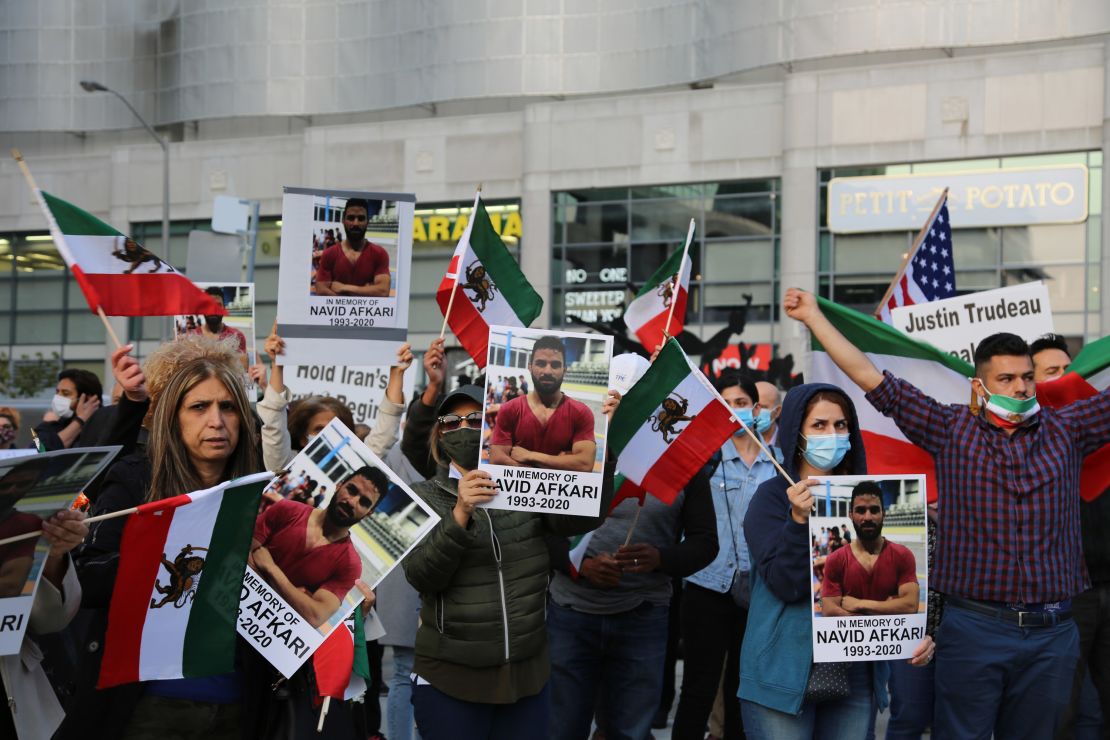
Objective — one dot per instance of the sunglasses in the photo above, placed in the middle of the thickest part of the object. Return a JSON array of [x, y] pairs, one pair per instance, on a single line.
[[553, 364], [873, 510], [451, 422]]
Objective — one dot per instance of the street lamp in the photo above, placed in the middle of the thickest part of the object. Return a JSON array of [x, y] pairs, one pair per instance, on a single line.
[[90, 86]]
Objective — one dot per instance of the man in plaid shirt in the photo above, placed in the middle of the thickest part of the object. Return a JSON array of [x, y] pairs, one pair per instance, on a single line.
[[1009, 554]]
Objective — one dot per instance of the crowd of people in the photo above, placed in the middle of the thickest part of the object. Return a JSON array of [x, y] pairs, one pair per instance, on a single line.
[[496, 631]]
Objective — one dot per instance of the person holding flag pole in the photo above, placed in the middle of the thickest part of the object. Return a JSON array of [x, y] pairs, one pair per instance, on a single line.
[[1009, 552]]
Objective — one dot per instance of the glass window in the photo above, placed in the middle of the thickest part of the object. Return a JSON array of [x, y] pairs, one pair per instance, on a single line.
[[602, 264], [739, 217], [975, 248], [739, 260], [855, 253], [38, 327], [1042, 243], [646, 259], [603, 223], [1067, 284], [667, 219], [84, 327], [37, 292]]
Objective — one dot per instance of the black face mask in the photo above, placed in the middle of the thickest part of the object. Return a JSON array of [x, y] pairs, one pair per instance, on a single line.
[[461, 446]]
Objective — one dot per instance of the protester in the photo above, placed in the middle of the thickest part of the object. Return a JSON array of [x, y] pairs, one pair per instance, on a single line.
[[201, 434], [287, 428], [607, 626], [1051, 357], [354, 267], [715, 599], [1009, 553], [9, 427], [769, 409], [33, 707], [873, 575], [76, 399], [482, 665], [784, 694], [545, 428], [421, 416], [399, 610]]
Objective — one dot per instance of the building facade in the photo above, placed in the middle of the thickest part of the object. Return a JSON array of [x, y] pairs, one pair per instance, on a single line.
[[596, 129]]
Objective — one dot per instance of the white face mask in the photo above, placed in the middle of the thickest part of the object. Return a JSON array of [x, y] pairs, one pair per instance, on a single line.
[[60, 405]]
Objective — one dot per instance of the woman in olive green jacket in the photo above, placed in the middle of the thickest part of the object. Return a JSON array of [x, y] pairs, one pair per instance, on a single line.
[[482, 665]]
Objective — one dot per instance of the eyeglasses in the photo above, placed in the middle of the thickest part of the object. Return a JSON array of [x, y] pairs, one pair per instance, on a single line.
[[873, 510], [553, 364], [451, 422]]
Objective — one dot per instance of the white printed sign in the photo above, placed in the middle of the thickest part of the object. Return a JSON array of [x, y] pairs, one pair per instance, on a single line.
[[957, 325], [869, 564], [552, 465], [275, 629], [360, 388]]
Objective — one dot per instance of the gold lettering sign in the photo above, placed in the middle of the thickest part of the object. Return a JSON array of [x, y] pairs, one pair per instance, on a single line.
[[435, 228]]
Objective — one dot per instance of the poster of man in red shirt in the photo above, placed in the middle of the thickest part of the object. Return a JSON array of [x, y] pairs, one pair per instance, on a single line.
[[545, 447], [237, 326], [869, 593], [344, 275]]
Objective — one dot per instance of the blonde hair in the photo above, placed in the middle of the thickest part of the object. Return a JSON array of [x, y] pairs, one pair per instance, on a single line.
[[11, 414], [172, 471], [163, 363]]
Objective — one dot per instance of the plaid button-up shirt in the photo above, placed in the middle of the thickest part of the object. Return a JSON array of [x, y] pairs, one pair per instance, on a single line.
[[1008, 504]]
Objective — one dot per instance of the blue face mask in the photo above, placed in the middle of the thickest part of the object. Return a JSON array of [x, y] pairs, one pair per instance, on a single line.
[[825, 451], [745, 417], [763, 421]]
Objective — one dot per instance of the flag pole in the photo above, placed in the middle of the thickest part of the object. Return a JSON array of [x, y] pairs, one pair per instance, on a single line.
[[324, 712], [906, 260], [678, 279], [90, 520], [18, 157], [631, 527], [458, 267]]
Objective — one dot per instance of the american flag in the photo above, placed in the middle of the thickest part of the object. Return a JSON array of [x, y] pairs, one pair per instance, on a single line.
[[930, 273]]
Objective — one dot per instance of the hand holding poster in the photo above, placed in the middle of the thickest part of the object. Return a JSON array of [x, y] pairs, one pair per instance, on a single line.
[[344, 275], [33, 487], [339, 502], [869, 566], [543, 431]]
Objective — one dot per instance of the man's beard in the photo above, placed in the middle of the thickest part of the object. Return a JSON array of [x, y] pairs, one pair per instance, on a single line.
[[214, 323], [546, 384], [356, 237], [341, 515], [868, 532]]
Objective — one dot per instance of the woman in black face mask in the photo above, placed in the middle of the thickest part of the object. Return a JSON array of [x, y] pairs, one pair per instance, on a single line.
[[482, 666]]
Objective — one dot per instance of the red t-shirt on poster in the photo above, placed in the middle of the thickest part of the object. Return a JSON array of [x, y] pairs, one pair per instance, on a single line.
[[845, 576], [517, 426], [334, 265], [283, 530]]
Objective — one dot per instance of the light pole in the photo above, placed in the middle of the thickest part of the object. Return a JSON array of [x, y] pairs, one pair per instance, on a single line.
[[90, 86]]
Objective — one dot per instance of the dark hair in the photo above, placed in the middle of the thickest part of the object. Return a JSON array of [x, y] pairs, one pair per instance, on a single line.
[[301, 412], [1002, 343], [86, 382], [377, 478], [730, 377], [215, 292], [356, 203], [549, 342], [866, 488], [1049, 341], [845, 405]]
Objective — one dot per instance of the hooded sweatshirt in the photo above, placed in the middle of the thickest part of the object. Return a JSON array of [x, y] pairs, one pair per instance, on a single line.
[[778, 647]]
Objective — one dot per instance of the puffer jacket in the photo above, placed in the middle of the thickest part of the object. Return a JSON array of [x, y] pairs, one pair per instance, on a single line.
[[483, 589]]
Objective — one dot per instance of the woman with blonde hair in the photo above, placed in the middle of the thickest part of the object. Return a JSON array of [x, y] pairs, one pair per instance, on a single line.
[[9, 427], [202, 433]]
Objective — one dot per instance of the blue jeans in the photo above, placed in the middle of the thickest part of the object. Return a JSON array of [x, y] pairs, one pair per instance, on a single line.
[[994, 677], [443, 717], [620, 655], [843, 719], [398, 707], [911, 700]]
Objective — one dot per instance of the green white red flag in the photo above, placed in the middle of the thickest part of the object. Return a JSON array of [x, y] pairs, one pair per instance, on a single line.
[[668, 425], [341, 660], [488, 287], [176, 595], [934, 372], [115, 272], [648, 313], [1088, 374]]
